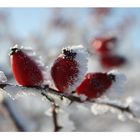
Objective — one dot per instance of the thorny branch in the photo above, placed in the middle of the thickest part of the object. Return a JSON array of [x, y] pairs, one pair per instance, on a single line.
[[72, 98]]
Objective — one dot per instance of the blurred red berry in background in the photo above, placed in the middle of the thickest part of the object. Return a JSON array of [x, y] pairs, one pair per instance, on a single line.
[[112, 60], [103, 45]]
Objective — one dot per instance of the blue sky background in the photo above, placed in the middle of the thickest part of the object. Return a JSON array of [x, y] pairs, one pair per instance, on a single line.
[[26, 20], [31, 18]]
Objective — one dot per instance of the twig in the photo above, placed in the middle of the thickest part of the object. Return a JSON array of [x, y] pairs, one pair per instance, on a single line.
[[55, 118], [71, 97], [123, 109], [54, 113], [46, 89]]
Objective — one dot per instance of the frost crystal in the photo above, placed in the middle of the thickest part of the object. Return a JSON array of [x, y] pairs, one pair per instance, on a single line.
[[15, 92], [134, 103], [82, 60], [129, 100], [117, 87], [83, 97], [63, 118], [99, 109], [66, 123], [120, 79], [3, 78], [60, 101]]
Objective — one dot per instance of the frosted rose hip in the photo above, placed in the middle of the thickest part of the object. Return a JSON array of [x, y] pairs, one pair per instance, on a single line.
[[27, 68], [69, 68]]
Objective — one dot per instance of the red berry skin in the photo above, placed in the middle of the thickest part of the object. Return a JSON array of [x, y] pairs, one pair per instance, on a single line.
[[95, 84], [25, 70], [110, 61], [104, 45], [63, 72], [102, 11]]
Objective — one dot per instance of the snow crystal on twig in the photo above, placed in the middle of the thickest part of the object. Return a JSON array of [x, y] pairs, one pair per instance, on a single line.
[[82, 97], [15, 92], [99, 109], [60, 101], [63, 118], [134, 104], [3, 78]]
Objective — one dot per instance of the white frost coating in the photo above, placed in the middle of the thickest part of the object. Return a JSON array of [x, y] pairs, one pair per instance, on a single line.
[[134, 103], [62, 103], [16, 92], [117, 88], [37, 59], [82, 97], [122, 117], [129, 100], [3, 78], [64, 120], [99, 109], [49, 112], [82, 60]]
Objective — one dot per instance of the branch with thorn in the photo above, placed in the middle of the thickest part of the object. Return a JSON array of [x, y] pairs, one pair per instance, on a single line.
[[44, 90]]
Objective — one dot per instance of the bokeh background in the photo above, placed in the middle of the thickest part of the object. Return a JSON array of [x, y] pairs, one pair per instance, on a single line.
[[47, 30]]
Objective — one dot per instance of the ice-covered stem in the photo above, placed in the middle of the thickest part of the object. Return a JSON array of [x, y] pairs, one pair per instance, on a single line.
[[54, 106], [55, 120], [46, 89], [54, 113], [123, 109]]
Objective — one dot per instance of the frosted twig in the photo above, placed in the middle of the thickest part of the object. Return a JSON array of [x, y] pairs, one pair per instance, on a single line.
[[46, 89], [54, 113], [55, 120], [123, 109]]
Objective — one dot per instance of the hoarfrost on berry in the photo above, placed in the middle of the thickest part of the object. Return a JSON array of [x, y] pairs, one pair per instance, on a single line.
[[117, 88], [24, 63], [38, 60], [82, 60], [69, 68]]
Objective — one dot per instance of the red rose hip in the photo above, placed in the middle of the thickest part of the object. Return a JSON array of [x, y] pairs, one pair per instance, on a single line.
[[69, 68], [103, 45], [27, 70], [112, 60], [95, 84]]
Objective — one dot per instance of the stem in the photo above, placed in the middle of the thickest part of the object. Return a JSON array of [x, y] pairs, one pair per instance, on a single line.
[[55, 118], [54, 113], [46, 89]]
